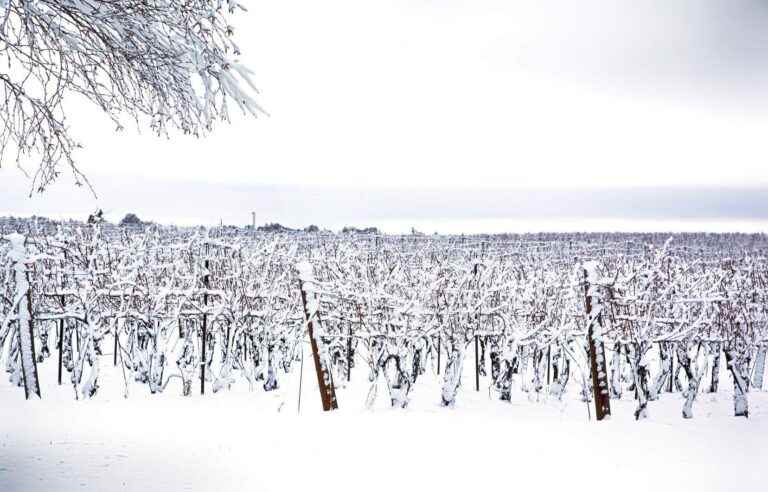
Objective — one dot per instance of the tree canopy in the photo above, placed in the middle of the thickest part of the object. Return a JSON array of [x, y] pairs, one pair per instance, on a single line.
[[166, 64]]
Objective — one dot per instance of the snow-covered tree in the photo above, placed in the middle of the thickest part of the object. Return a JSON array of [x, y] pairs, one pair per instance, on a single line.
[[166, 64]]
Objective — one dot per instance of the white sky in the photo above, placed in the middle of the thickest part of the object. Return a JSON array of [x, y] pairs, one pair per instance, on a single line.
[[503, 94]]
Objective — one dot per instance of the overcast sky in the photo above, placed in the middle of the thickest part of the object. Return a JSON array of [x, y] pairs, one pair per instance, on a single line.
[[446, 94]]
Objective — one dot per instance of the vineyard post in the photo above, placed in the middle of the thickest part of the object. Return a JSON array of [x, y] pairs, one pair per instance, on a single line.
[[349, 353], [671, 383], [24, 323], [477, 319], [76, 350], [61, 345], [759, 369], [549, 362], [637, 389], [245, 347], [206, 285], [226, 345], [715, 381], [35, 384], [596, 347], [324, 381], [301, 374], [61, 338], [114, 355], [477, 367]]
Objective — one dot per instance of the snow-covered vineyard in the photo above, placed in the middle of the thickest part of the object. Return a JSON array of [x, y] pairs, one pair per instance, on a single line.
[[586, 316]]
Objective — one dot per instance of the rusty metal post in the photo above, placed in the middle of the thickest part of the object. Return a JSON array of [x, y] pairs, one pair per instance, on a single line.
[[324, 379], [597, 357]]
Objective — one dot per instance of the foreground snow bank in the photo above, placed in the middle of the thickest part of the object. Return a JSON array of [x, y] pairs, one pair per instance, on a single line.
[[229, 444], [243, 440]]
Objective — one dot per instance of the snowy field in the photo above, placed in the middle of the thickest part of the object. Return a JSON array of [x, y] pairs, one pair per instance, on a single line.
[[407, 330], [241, 440], [143, 313]]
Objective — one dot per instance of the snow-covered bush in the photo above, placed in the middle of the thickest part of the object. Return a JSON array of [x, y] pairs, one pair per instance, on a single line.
[[179, 308]]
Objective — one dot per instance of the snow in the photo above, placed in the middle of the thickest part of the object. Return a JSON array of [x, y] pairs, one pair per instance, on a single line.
[[237, 440], [18, 256], [447, 437], [357, 452], [591, 270], [307, 279], [760, 367]]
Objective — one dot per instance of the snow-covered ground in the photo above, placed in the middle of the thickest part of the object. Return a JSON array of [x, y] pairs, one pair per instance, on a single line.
[[259, 441]]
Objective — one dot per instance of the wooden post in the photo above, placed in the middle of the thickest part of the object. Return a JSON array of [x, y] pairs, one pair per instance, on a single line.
[[114, 356], [301, 374], [61, 337], [477, 321], [596, 355], [226, 345], [206, 285], [24, 322], [477, 366], [61, 345], [672, 355], [349, 354], [76, 350], [759, 370], [740, 384], [245, 347], [28, 356], [324, 378], [549, 363]]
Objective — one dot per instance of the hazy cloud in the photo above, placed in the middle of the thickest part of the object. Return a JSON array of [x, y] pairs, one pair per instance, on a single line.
[[397, 209], [449, 94]]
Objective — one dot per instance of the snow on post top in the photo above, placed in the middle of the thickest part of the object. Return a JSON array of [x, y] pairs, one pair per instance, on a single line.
[[306, 277], [591, 268], [17, 241], [305, 271]]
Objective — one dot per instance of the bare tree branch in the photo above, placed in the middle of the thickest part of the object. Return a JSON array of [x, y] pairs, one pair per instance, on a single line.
[[162, 63]]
